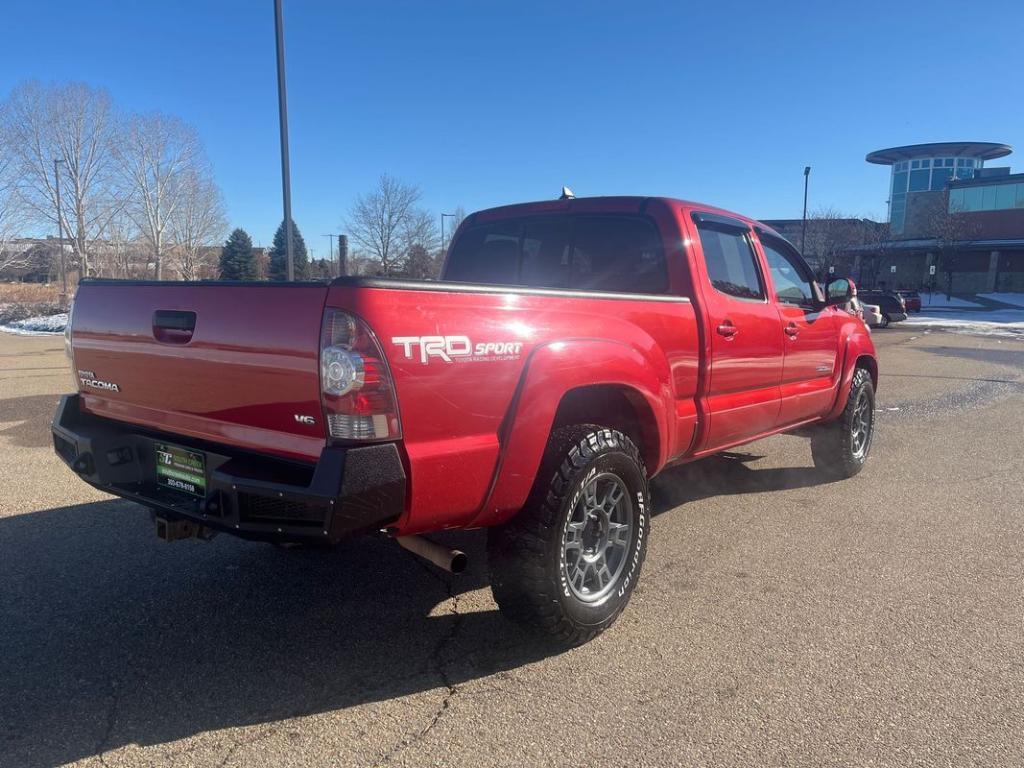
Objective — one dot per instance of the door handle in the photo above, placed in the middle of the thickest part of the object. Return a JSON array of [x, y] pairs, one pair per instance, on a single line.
[[791, 330], [727, 329], [173, 327]]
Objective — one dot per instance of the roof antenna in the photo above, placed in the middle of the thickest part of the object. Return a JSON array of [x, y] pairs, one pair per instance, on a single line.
[[567, 194]]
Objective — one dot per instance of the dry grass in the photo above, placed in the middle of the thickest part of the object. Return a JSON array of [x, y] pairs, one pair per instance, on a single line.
[[29, 293], [21, 300]]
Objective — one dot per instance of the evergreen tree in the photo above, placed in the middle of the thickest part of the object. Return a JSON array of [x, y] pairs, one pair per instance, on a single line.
[[420, 265], [237, 259], [278, 269]]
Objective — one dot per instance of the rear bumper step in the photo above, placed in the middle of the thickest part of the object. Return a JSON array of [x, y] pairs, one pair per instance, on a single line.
[[348, 490]]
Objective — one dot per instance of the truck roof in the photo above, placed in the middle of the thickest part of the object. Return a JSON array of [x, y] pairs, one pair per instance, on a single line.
[[604, 204]]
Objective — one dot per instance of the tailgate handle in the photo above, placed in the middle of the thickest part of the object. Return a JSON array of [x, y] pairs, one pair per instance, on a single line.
[[173, 326]]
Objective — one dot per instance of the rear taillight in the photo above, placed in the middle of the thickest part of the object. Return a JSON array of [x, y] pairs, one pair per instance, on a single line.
[[355, 383]]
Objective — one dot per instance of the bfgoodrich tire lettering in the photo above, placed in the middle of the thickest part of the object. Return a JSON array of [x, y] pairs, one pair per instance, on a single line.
[[532, 573]]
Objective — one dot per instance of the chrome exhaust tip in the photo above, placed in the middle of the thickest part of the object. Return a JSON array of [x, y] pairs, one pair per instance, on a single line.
[[451, 560]]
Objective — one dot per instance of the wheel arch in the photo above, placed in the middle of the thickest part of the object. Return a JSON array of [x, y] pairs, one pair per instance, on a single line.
[[562, 380], [858, 352], [870, 364], [616, 406]]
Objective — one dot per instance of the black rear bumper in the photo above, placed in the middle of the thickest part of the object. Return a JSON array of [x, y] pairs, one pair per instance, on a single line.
[[254, 496]]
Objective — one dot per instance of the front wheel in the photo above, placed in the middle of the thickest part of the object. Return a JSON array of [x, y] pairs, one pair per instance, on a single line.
[[841, 448], [885, 321], [567, 564]]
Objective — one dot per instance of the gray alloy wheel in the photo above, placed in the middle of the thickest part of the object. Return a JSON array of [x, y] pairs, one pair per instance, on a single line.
[[596, 537], [567, 563], [861, 425], [840, 448]]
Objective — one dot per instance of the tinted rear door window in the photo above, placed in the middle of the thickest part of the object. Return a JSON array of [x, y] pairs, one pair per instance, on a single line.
[[732, 266]]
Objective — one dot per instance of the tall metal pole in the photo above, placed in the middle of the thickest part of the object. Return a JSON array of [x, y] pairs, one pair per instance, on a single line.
[[443, 217], [60, 238], [342, 255], [330, 251], [282, 110], [803, 228]]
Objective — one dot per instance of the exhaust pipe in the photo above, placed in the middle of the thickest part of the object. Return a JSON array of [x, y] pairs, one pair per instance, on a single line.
[[451, 560]]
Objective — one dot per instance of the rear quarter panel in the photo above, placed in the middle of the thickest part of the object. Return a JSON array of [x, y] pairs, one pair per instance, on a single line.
[[462, 415]]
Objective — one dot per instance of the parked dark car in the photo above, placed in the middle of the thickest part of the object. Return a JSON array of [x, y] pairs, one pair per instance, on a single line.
[[893, 308], [912, 300]]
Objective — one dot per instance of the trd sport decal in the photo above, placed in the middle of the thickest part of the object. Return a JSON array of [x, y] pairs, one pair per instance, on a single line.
[[456, 349]]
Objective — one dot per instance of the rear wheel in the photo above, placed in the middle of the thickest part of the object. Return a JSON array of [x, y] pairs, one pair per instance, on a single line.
[[841, 448], [885, 321], [567, 564]]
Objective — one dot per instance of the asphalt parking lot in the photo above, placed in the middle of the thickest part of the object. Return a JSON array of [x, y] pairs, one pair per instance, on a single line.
[[778, 621]]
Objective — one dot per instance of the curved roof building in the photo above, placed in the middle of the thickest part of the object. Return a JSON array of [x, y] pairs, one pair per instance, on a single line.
[[930, 167]]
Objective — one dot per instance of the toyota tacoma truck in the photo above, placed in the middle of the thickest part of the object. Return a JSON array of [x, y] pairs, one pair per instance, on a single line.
[[570, 351]]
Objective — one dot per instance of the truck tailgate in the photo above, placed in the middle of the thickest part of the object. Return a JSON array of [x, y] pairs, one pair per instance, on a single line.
[[231, 363]]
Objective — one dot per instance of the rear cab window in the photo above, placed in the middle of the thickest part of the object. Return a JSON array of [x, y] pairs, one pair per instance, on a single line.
[[607, 253]]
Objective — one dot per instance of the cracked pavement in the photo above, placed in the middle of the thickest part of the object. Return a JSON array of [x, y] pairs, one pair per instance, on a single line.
[[778, 620]]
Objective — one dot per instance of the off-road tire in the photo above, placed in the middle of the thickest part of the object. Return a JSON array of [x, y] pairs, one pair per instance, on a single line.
[[834, 447], [527, 558]]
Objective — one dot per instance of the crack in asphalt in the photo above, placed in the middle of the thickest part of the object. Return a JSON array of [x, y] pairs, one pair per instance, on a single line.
[[108, 731], [440, 668]]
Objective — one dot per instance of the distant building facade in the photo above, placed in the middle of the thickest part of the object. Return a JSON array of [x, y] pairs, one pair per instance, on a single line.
[[954, 223]]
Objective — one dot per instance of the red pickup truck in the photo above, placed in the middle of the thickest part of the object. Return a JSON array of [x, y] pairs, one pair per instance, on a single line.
[[571, 350]]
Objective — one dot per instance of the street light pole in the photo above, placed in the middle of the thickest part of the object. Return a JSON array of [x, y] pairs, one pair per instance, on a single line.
[[803, 228], [282, 110], [330, 251], [443, 216], [60, 237]]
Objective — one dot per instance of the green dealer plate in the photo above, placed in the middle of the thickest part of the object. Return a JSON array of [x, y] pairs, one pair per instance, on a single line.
[[180, 469]]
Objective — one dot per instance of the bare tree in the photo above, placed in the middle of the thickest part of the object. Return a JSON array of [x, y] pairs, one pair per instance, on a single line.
[[387, 222], [10, 219], [155, 154], [72, 123], [952, 230], [832, 236], [198, 222], [419, 231], [121, 255]]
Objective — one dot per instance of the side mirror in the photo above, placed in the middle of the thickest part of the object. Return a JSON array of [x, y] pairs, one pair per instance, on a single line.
[[839, 291]]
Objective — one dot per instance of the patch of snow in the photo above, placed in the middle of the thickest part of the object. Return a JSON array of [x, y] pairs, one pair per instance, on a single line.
[[44, 325], [1015, 299], [939, 301], [1001, 322]]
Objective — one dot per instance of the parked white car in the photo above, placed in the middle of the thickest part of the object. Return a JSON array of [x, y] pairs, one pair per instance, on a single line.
[[872, 315]]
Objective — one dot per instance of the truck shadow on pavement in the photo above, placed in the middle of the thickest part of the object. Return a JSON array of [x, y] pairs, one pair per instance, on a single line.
[[110, 637], [725, 474]]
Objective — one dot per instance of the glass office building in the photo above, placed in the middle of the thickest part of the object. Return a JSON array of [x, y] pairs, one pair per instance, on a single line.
[[922, 168], [997, 194]]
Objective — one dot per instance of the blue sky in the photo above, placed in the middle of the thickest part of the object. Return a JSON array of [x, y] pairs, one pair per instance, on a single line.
[[487, 103]]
